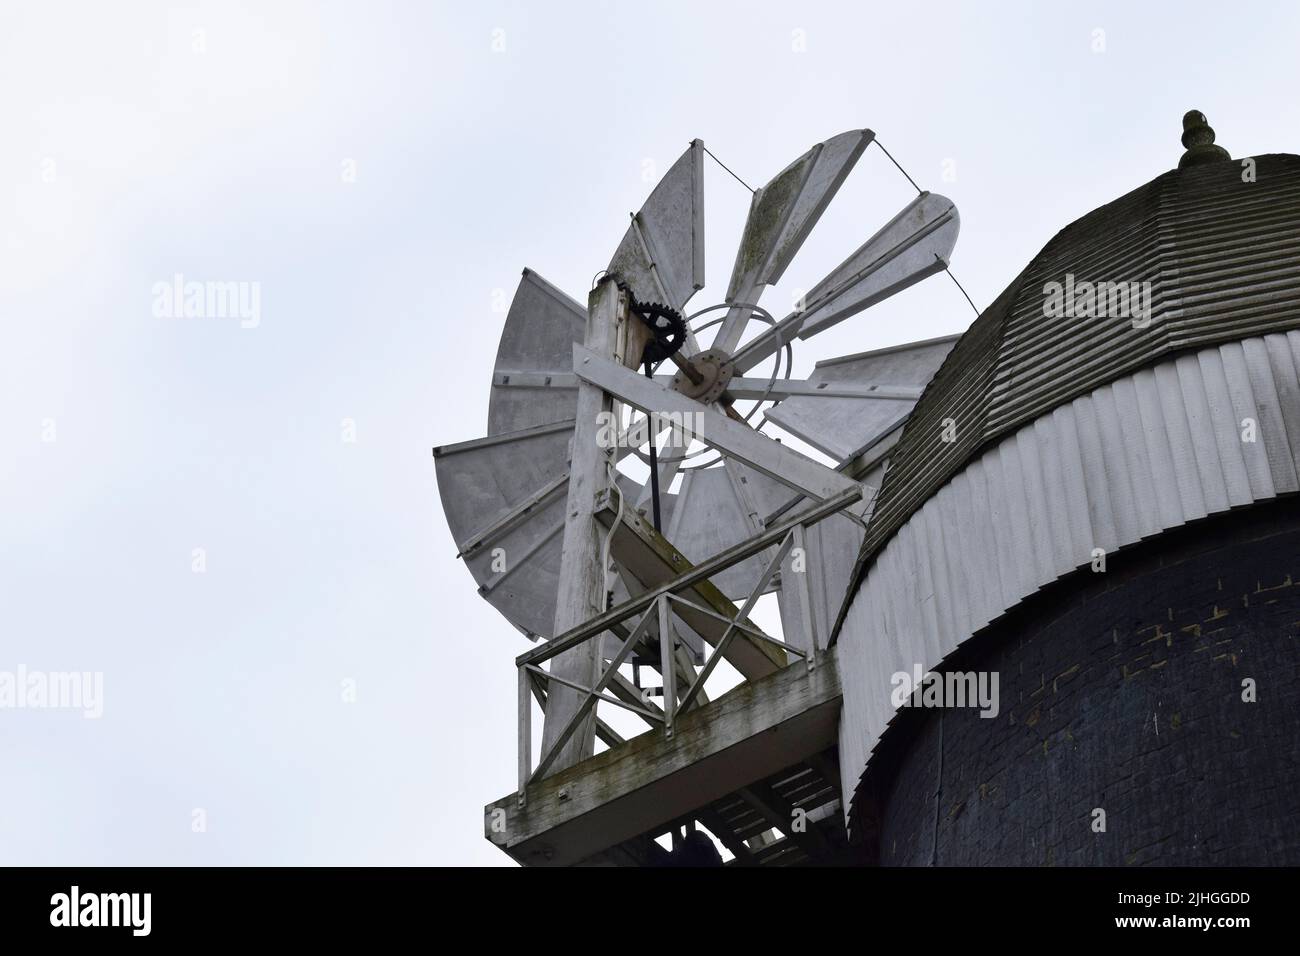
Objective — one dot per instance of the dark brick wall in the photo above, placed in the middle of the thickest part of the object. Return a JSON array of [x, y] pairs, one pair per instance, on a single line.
[[1123, 691]]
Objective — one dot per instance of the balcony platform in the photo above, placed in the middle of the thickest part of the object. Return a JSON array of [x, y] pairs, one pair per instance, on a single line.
[[741, 765]]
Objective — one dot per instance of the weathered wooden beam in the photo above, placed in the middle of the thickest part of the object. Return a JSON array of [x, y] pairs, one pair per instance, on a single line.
[[718, 827], [588, 706], [780, 814], [604, 732], [750, 733], [697, 574], [642, 551], [612, 336], [764, 454]]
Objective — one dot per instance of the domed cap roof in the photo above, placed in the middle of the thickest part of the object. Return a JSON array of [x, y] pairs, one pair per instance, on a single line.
[[1209, 252]]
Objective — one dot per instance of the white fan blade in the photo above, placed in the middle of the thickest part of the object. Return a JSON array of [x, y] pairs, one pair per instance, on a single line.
[[916, 243], [661, 257], [841, 426], [505, 506], [710, 515], [541, 327], [781, 216]]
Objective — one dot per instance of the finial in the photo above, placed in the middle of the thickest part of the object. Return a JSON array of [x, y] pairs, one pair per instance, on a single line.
[[1198, 137]]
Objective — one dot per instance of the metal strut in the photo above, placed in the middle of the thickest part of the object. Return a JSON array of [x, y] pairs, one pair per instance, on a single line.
[[668, 330], [654, 462]]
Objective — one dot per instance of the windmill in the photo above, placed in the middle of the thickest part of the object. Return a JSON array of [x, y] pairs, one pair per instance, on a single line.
[[604, 569]]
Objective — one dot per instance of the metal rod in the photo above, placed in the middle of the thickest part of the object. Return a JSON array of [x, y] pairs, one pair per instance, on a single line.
[[654, 463], [689, 370], [728, 169], [959, 286], [920, 190], [896, 163]]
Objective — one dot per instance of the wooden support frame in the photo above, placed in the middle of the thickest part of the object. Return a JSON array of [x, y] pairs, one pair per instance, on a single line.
[[551, 754], [656, 605], [731, 628], [753, 731], [581, 591], [761, 453], [701, 572], [577, 682]]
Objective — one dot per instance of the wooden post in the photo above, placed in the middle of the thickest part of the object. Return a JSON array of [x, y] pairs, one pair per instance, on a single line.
[[667, 662], [803, 587], [582, 579], [525, 731]]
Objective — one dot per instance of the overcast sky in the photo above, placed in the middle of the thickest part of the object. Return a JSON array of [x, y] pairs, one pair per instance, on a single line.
[[331, 689]]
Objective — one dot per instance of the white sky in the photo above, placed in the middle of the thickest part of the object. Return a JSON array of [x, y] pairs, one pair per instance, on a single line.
[[132, 157]]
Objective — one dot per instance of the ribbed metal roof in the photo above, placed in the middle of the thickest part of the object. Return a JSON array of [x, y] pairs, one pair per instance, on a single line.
[[1223, 258]]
